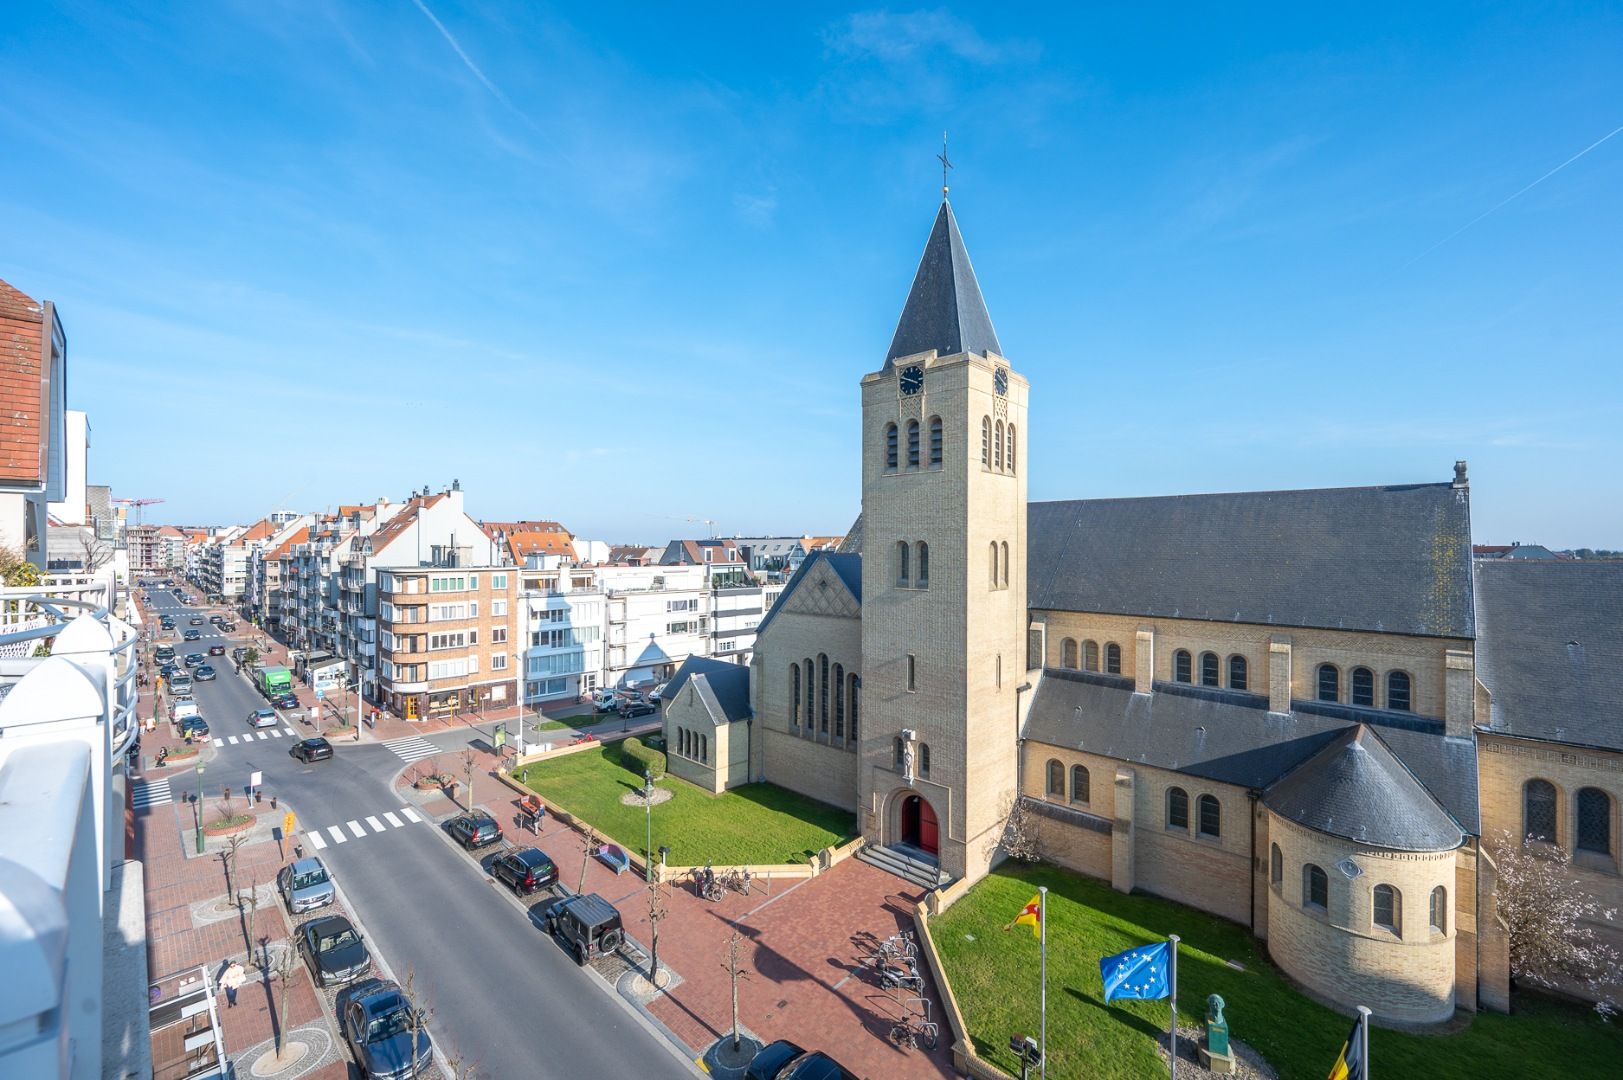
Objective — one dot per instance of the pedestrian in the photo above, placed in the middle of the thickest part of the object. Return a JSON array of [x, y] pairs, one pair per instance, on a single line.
[[231, 980]]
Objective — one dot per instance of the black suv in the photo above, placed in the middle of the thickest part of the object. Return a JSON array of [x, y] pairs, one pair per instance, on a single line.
[[309, 750], [475, 830], [377, 1022], [783, 1060], [587, 926], [525, 870]]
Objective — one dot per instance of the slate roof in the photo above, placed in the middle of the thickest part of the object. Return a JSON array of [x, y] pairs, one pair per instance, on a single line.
[[723, 688], [1357, 789], [1233, 738], [848, 568], [1391, 559], [944, 309], [1550, 649]]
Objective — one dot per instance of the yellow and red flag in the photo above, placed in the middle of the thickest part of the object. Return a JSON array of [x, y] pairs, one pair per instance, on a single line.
[[1031, 915]]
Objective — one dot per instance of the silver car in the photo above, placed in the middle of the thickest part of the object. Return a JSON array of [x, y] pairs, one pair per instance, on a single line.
[[305, 885]]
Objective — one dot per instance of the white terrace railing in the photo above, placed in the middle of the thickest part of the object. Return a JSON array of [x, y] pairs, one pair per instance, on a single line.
[[67, 721]]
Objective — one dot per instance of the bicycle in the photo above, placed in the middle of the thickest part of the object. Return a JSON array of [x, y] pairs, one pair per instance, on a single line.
[[905, 1034]]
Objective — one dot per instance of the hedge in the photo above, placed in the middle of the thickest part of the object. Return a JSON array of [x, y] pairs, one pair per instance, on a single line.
[[651, 760]]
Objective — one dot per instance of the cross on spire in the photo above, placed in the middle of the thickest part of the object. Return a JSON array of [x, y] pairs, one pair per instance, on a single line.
[[945, 164]]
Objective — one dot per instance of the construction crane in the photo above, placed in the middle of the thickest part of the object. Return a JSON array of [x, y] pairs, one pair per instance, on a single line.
[[694, 520], [138, 504]]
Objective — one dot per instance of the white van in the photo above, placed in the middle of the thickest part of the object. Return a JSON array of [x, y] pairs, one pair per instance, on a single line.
[[604, 700], [182, 707]]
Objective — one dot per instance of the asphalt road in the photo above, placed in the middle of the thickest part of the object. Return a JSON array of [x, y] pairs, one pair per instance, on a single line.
[[503, 995]]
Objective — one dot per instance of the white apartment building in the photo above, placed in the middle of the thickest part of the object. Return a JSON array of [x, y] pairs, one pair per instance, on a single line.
[[561, 611], [734, 615]]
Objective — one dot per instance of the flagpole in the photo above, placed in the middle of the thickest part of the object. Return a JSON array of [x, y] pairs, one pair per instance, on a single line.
[[1363, 1038], [1042, 994], [1172, 974]]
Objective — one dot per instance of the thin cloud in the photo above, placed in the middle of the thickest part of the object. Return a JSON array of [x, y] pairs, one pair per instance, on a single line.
[[1501, 204], [467, 62], [897, 37]]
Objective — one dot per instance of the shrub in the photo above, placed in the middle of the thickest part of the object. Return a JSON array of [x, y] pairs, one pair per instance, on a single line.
[[651, 760]]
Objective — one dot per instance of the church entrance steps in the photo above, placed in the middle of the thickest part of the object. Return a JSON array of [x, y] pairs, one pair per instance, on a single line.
[[908, 863]]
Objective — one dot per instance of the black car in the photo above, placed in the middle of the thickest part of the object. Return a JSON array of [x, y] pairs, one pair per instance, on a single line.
[[783, 1060], [168, 669], [586, 926], [378, 1024], [475, 830], [203, 673], [525, 870], [309, 750], [216, 650], [193, 659], [195, 726], [166, 623], [630, 709], [334, 950], [192, 635]]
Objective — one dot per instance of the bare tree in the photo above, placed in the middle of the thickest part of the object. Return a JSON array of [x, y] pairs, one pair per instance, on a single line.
[[1018, 840], [470, 765], [417, 1016], [588, 847], [657, 910], [228, 858], [460, 1069], [94, 552], [1552, 922], [285, 964], [255, 945], [735, 973]]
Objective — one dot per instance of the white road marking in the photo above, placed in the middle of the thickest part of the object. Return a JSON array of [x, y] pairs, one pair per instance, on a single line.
[[410, 814], [316, 841], [289, 731], [218, 741], [275, 734], [262, 735], [412, 748], [151, 793], [391, 819], [337, 834], [232, 739], [355, 827], [377, 826]]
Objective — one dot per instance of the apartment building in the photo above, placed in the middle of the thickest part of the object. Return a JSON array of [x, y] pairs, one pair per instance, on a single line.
[[722, 560], [445, 637], [654, 618], [310, 570], [33, 393], [734, 614], [223, 570], [265, 566], [561, 613]]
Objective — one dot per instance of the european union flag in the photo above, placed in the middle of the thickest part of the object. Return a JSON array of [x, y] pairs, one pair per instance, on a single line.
[[1137, 973]]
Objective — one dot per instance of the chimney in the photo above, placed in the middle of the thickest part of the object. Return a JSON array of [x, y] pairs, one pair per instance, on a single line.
[[1460, 480], [456, 485]]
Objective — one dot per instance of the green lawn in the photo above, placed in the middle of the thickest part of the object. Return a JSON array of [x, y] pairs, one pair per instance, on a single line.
[[994, 976], [552, 725], [751, 825]]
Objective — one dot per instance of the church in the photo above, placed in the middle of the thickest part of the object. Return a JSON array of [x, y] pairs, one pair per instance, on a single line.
[[1265, 705]]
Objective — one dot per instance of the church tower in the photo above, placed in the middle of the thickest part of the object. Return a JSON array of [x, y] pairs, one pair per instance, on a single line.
[[943, 570]]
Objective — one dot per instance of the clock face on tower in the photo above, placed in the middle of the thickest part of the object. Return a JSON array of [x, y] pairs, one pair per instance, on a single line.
[[912, 380], [1000, 381]]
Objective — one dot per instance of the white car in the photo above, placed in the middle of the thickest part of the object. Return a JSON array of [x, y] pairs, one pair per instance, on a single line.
[[182, 707]]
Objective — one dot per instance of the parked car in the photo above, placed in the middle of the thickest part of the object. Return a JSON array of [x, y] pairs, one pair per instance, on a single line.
[[166, 623], [525, 870], [216, 619], [216, 650], [798, 1065], [312, 750], [182, 707], [604, 700], [169, 669], [305, 885], [195, 620], [263, 718], [195, 726], [285, 701], [203, 673], [192, 635], [193, 659], [228, 627], [164, 653], [378, 1024], [632, 707], [475, 830], [238, 653], [587, 926], [180, 683], [658, 692], [334, 950]]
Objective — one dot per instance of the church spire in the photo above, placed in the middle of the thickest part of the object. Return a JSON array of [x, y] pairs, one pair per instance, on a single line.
[[944, 309]]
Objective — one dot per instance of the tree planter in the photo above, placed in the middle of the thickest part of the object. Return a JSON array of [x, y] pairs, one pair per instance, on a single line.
[[431, 783], [179, 753], [229, 826]]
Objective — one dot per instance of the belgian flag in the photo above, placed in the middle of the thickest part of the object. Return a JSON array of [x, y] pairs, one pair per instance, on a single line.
[[1350, 1065]]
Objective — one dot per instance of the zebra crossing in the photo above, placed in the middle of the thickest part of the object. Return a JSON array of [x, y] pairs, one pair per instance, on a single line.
[[273, 733], [335, 834], [412, 748], [151, 793]]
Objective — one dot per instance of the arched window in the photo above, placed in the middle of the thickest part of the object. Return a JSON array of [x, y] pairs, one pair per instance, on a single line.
[[1389, 909], [1594, 821], [1439, 910], [1209, 670], [794, 694], [1080, 786], [839, 701], [1067, 653], [1329, 683], [924, 759], [903, 555], [1397, 690], [986, 441], [1182, 666], [1009, 456], [1113, 658], [811, 693], [1090, 655], [1315, 887], [1003, 564], [1239, 674], [822, 693], [890, 446], [997, 446], [900, 752], [856, 687], [912, 444], [1211, 816], [1276, 866], [1362, 682], [935, 441], [991, 563], [1056, 777], [1177, 808], [922, 580], [682, 741], [1538, 800]]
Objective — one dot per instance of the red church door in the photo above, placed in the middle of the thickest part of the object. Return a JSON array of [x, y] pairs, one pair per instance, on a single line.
[[919, 826]]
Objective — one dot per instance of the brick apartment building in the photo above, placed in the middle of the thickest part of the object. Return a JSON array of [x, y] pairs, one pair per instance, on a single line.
[[446, 639]]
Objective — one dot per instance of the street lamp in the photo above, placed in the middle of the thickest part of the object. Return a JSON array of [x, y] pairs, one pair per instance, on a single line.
[[648, 807]]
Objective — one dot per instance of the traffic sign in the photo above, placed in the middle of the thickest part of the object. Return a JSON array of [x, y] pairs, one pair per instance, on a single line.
[[289, 822], [321, 693], [256, 779]]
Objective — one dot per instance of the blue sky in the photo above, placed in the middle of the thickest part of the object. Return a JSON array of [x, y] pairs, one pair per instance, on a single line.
[[625, 266]]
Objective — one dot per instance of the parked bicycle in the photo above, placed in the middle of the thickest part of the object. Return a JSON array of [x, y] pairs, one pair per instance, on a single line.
[[736, 880], [707, 885], [915, 1029]]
